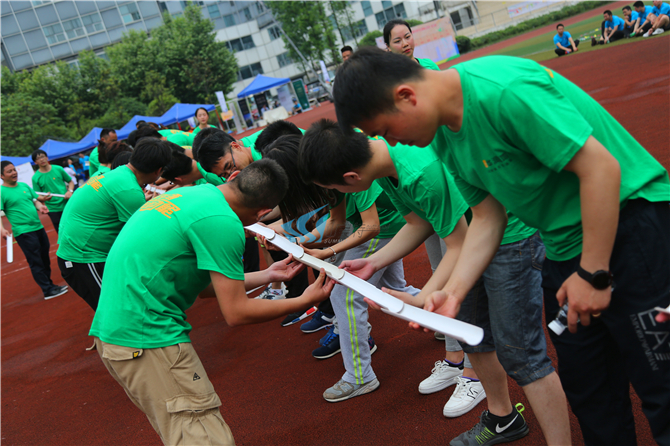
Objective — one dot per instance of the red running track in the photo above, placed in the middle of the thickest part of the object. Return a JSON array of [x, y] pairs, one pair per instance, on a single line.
[[56, 393]]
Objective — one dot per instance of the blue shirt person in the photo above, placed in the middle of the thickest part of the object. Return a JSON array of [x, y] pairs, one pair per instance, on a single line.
[[564, 42], [612, 28], [661, 21]]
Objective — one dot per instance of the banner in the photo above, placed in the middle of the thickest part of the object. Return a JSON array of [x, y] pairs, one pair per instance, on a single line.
[[284, 96], [324, 71], [525, 7], [299, 87], [222, 101]]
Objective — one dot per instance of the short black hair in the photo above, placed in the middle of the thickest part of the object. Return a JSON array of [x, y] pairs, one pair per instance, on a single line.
[[626, 8], [180, 164], [639, 4], [274, 131], [146, 131], [365, 83], [200, 137], [37, 153], [346, 48], [132, 138], [392, 24], [213, 148], [560, 24], [107, 152], [151, 154], [121, 159], [4, 164], [607, 11], [201, 108], [326, 153], [139, 123], [263, 184], [106, 132]]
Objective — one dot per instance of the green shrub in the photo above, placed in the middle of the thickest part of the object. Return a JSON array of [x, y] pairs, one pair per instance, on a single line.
[[464, 44]]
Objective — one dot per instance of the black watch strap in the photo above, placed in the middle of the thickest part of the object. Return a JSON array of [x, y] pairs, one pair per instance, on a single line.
[[600, 279]]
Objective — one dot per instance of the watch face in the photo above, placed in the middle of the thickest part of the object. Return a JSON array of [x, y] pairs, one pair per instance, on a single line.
[[601, 280]]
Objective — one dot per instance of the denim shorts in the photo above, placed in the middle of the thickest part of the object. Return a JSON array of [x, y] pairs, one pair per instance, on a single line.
[[507, 303]]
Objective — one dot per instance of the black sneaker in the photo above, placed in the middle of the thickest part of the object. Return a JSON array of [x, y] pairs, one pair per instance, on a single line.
[[488, 432], [330, 345], [294, 318], [55, 292]]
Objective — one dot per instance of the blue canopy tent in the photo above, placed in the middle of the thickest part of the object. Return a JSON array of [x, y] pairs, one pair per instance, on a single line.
[[59, 149], [262, 83]]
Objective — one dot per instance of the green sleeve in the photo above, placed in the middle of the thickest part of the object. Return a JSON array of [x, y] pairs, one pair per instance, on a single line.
[[471, 194], [66, 177], [393, 196], [365, 199], [540, 120], [438, 198], [220, 254], [127, 202], [36, 184], [33, 195]]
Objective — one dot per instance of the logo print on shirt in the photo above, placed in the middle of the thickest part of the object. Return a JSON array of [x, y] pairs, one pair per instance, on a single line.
[[497, 162], [95, 182], [162, 204]]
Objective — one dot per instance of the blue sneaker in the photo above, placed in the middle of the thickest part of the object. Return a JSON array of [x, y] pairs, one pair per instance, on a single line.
[[330, 345], [319, 321], [372, 345]]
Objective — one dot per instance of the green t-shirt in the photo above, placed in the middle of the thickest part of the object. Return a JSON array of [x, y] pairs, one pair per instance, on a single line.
[[390, 221], [209, 177], [196, 130], [18, 206], [147, 287], [103, 170], [178, 137], [428, 64], [54, 181], [96, 213], [520, 128], [250, 141], [424, 187], [93, 162]]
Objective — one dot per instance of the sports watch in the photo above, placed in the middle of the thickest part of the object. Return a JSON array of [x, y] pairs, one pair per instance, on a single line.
[[599, 280]]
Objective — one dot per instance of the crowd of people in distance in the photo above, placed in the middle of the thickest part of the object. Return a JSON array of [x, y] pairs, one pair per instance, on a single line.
[[640, 20], [523, 219]]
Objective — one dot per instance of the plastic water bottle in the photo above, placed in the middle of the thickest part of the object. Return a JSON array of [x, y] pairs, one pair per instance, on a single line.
[[559, 324]]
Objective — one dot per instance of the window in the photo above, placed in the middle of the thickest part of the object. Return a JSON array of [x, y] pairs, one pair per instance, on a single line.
[[214, 11], [284, 60], [387, 4], [274, 32], [92, 22], [54, 33], [129, 13], [367, 8], [397, 11], [234, 45], [249, 71], [248, 42], [229, 20], [73, 28], [247, 14]]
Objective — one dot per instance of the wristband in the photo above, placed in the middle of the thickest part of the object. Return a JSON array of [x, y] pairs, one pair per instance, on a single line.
[[334, 253]]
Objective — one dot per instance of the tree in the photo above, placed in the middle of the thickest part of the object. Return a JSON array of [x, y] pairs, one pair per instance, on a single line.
[[27, 122], [158, 95], [343, 12], [306, 24], [120, 112], [369, 38]]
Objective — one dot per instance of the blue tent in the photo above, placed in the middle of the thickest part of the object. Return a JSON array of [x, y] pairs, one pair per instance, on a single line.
[[262, 83], [59, 149]]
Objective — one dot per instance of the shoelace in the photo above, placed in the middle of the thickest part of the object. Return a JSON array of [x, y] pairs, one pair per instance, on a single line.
[[439, 367], [330, 336]]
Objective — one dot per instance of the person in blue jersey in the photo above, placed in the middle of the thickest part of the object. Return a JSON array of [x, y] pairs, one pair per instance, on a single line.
[[564, 42], [611, 29], [661, 19]]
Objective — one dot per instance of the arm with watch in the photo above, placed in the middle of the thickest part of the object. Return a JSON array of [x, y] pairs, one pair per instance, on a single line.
[[588, 291]]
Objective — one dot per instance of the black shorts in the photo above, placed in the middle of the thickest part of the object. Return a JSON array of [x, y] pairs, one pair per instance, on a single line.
[[84, 278]]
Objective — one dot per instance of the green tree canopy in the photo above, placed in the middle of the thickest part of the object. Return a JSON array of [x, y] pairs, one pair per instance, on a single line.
[[369, 38]]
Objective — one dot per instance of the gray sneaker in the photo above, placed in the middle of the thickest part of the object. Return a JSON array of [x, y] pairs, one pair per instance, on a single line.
[[344, 390], [487, 432]]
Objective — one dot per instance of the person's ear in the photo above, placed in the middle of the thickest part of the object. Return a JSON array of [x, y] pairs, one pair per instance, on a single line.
[[179, 181], [351, 178], [405, 94], [233, 175], [262, 213]]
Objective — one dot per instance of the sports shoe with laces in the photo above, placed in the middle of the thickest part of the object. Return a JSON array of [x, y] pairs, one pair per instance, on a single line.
[[343, 390], [658, 31], [330, 345], [270, 293], [442, 376], [439, 336], [467, 395], [488, 432], [55, 292], [319, 320]]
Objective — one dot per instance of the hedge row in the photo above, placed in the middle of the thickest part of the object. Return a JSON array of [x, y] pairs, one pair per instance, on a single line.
[[466, 44]]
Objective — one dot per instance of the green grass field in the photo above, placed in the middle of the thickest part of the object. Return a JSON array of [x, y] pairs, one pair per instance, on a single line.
[[542, 47]]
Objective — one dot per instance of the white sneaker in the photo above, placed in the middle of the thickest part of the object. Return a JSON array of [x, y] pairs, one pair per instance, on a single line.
[[466, 396], [270, 293], [658, 31], [442, 376], [647, 34]]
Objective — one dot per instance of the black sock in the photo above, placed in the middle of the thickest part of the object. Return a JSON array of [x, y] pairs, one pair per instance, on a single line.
[[515, 418]]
